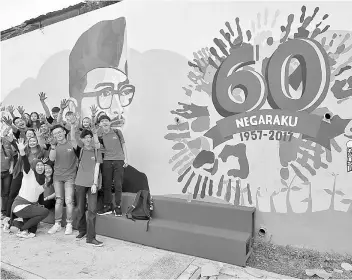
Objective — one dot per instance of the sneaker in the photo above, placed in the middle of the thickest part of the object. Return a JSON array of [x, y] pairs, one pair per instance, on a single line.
[[95, 243], [23, 234], [68, 229], [80, 236], [117, 211], [105, 211], [6, 228], [6, 220], [55, 228]]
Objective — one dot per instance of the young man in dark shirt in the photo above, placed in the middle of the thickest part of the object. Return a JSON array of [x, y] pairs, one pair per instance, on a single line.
[[115, 159]]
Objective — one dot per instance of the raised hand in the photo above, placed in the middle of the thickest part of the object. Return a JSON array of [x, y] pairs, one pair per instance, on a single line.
[[45, 160], [21, 144], [9, 136], [42, 96], [52, 141], [42, 117], [38, 132], [7, 121], [63, 104], [94, 129], [11, 109], [20, 109], [2, 108], [94, 110]]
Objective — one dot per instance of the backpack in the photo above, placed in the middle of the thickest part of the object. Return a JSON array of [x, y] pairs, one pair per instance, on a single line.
[[142, 207]]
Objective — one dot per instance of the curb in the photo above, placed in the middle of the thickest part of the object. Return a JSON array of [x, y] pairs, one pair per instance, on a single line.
[[20, 272]]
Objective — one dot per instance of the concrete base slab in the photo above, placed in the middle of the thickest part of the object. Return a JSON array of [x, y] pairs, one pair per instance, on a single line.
[[60, 256]]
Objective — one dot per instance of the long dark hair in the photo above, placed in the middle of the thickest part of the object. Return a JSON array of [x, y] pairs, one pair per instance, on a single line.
[[37, 123]]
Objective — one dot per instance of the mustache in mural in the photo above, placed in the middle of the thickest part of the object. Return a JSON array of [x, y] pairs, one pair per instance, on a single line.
[[98, 71]]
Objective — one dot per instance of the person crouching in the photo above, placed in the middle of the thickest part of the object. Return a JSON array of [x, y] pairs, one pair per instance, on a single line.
[[25, 204], [86, 182]]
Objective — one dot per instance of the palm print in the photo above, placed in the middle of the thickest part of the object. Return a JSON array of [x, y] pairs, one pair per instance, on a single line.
[[207, 170]]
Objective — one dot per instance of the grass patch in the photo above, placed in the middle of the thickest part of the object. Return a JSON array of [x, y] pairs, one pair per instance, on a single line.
[[8, 275], [293, 261]]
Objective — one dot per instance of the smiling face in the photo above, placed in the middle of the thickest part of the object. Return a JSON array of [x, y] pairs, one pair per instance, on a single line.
[[48, 170], [86, 122], [19, 123], [34, 117], [44, 128], [105, 124], [32, 142], [87, 140], [30, 134], [59, 133], [39, 168]]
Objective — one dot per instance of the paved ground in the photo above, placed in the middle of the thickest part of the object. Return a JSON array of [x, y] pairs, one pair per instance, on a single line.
[[62, 257]]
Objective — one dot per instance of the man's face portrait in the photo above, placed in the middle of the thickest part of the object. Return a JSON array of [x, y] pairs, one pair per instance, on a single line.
[[109, 90]]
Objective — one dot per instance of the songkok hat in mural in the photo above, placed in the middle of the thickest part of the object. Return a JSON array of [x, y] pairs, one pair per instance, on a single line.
[[101, 46]]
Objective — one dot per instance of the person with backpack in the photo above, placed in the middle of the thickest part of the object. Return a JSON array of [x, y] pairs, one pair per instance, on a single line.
[[114, 162], [87, 180]]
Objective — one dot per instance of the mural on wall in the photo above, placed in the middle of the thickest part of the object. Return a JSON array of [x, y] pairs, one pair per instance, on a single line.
[[264, 87], [349, 156], [98, 71]]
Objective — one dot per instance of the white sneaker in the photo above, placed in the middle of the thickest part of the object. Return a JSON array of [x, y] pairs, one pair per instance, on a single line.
[[68, 229], [30, 235], [23, 234], [55, 228], [6, 228]]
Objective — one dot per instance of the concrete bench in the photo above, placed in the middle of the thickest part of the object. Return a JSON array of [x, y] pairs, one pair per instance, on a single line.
[[218, 232]]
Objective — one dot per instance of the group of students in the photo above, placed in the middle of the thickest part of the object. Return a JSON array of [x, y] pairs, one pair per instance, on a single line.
[[47, 161]]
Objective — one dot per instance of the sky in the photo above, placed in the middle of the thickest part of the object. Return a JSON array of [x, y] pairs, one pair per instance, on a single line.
[[15, 12]]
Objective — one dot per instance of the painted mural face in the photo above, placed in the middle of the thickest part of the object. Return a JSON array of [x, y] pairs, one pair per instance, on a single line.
[[99, 72], [107, 88]]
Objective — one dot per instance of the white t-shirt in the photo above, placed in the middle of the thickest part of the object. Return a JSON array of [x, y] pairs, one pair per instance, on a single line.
[[30, 190]]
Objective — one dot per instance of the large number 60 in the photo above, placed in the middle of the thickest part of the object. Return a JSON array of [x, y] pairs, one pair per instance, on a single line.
[[314, 71]]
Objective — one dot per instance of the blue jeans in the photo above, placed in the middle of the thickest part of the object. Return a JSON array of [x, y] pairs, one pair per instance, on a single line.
[[64, 190]]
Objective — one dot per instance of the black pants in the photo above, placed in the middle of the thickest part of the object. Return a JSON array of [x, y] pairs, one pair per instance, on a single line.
[[31, 216], [14, 190], [48, 204], [86, 223], [112, 172], [6, 179]]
